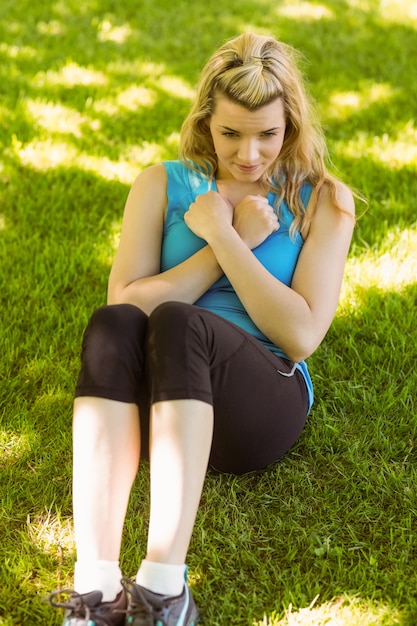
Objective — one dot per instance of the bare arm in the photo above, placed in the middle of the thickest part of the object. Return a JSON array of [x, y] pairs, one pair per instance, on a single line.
[[294, 318], [135, 277]]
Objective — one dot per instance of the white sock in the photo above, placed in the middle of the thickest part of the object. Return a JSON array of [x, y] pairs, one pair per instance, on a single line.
[[163, 578], [102, 576]]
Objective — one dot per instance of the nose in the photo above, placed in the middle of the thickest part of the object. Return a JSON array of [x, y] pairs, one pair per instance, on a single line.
[[248, 151]]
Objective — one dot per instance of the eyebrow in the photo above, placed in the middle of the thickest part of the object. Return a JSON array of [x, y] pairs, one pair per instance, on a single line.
[[233, 130]]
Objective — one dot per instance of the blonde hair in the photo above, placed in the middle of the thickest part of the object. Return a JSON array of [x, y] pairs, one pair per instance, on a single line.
[[252, 71]]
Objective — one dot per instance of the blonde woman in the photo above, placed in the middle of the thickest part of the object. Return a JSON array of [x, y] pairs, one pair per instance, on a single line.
[[226, 279]]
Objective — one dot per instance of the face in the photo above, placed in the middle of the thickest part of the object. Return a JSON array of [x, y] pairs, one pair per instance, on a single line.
[[246, 142]]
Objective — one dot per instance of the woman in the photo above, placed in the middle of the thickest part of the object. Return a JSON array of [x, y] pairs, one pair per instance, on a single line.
[[226, 279]]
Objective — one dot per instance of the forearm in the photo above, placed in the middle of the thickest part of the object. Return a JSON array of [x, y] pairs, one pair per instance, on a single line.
[[280, 313], [185, 282]]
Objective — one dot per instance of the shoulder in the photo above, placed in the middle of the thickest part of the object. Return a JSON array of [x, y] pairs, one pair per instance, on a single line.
[[155, 174], [148, 193], [150, 186], [185, 176], [169, 172], [330, 207], [335, 197]]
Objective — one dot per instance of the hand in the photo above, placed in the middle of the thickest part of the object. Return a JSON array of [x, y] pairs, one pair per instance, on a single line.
[[209, 213], [254, 220]]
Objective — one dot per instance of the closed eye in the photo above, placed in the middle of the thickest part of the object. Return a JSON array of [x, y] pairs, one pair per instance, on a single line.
[[269, 134]]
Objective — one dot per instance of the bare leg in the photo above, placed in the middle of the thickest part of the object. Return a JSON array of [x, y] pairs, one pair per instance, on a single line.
[[106, 440], [181, 436]]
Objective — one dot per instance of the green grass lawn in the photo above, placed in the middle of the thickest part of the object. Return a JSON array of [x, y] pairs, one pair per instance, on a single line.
[[91, 93]]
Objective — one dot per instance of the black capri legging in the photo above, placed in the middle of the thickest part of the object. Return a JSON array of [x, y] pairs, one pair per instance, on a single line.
[[184, 352]]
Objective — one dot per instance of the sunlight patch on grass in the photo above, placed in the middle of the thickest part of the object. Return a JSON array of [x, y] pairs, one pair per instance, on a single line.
[[14, 52], [143, 155], [70, 75], [341, 612], [305, 11], [173, 140], [391, 10], [137, 69], [43, 155], [50, 533], [130, 99], [342, 104], [399, 10], [134, 97], [393, 151], [12, 446], [58, 118], [121, 170], [177, 87], [2, 219], [390, 269], [53, 27], [109, 32]]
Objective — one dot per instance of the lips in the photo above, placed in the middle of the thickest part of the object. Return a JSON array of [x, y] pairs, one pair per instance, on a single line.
[[247, 169]]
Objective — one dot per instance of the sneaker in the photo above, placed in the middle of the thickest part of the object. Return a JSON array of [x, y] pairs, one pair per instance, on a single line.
[[146, 608], [88, 610]]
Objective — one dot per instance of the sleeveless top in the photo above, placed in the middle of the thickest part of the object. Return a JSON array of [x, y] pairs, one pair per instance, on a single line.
[[278, 253]]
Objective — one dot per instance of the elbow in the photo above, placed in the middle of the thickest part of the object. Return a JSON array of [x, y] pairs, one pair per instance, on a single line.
[[119, 291], [301, 347], [296, 356], [129, 295], [119, 295], [115, 290], [115, 295]]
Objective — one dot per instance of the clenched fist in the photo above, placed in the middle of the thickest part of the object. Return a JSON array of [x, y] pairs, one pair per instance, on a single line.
[[208, 214], [254, 220]]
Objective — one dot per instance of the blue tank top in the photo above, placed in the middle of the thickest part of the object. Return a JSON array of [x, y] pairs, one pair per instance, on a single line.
[[278, 253]]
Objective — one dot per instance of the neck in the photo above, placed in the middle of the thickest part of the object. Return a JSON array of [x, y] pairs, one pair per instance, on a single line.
[[235, 191]]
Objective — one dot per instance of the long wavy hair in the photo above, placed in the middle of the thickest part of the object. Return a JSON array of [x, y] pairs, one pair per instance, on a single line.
[[252, 71]]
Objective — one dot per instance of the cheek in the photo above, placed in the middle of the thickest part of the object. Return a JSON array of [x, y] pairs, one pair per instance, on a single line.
[[223, 148], [276, 149]]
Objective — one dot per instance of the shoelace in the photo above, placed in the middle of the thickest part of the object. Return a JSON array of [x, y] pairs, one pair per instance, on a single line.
[[135, 609], [76, 605], [140, 609]]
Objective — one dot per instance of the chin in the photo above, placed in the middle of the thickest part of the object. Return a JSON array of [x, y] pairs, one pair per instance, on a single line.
[[248, 178]]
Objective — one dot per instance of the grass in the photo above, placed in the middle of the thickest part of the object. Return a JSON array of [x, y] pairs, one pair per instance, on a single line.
[[93, 92]]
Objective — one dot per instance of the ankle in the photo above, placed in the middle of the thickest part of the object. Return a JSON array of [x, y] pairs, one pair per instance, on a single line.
[[98, 575], [162, 578]]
